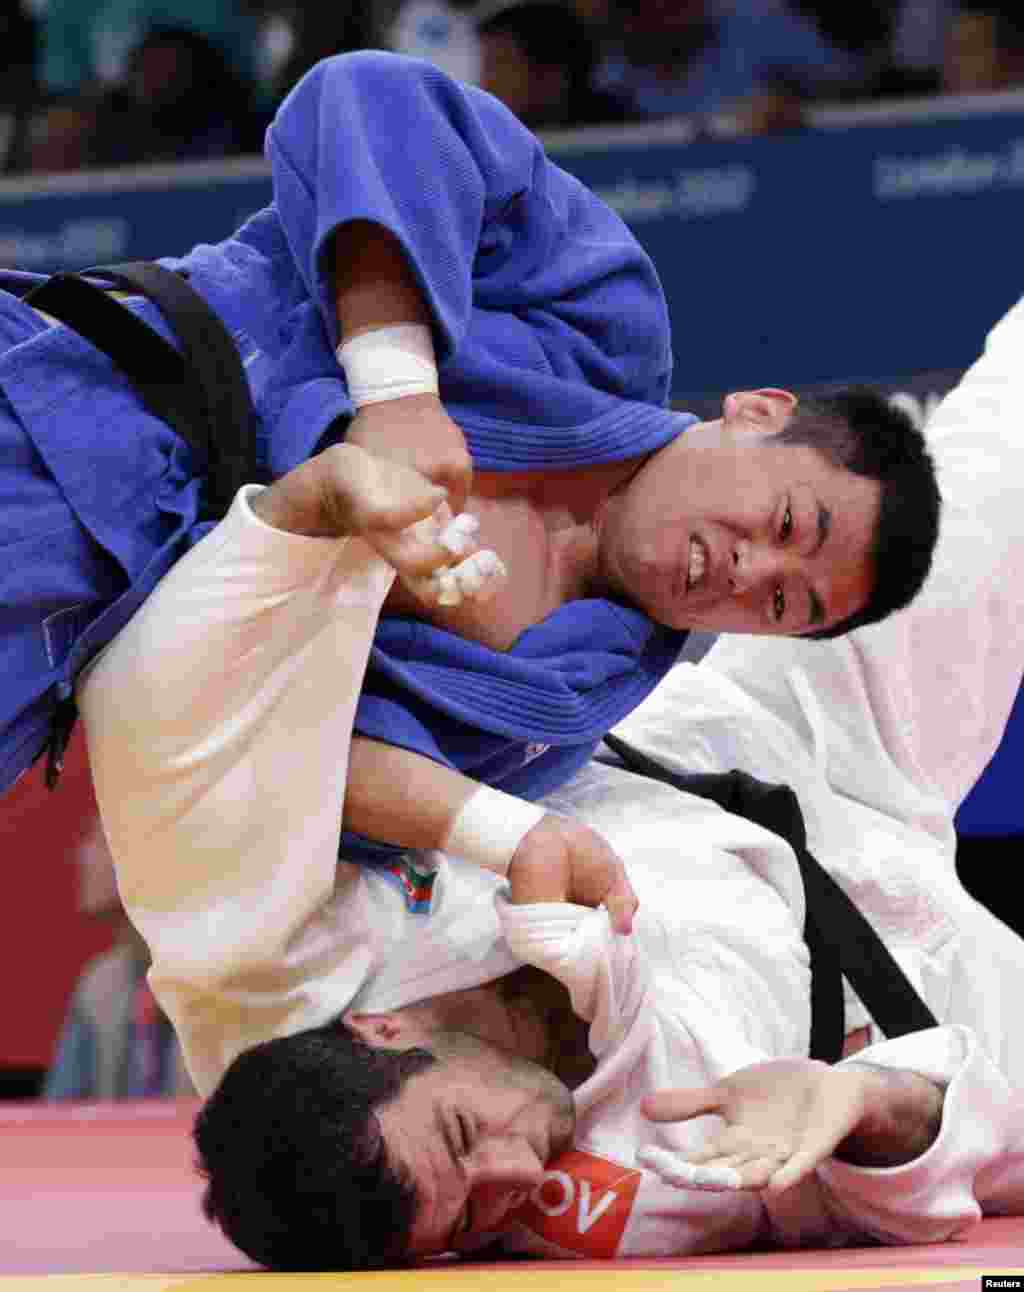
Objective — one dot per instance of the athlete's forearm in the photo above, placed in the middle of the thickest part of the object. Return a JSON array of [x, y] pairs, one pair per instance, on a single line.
[[902, 1123], [402, 798], [374, 286]]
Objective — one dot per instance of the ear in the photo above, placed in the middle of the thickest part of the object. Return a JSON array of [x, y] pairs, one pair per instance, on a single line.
[[761, 410], [382, 1030]]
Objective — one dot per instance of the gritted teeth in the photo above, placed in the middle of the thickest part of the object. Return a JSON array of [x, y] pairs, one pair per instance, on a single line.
[[698, 564]]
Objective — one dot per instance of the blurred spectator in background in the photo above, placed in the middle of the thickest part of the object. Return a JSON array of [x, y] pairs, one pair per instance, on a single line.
[[538, 58], [89, 43], [778, 106], [597, 14], [180, 102], [441, 31], [115, 1042], [682, 57], [981, 52], [58, 135], [18, 35], [919, 33], [860, 37], [18, 88], [295, 34], [984, 49]]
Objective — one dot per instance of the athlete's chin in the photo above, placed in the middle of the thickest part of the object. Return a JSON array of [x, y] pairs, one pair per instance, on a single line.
[[692, 612], [708, 619]]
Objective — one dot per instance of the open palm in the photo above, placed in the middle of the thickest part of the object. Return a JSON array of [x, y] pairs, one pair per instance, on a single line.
[[782, 1118]]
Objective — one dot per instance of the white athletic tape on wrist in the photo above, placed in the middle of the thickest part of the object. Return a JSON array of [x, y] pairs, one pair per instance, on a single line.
[[389, 363], [675, 1170], [474, 579], [459, 535], [490, 827]]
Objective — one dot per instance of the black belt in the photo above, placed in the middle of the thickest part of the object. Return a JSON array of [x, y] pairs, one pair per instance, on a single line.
[[839, 939], [200, 392]]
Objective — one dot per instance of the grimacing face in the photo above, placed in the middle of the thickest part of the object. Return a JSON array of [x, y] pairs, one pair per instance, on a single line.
[[474, 1133], [726, 530]]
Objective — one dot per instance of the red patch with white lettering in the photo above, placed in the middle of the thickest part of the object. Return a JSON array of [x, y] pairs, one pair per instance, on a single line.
[[582, 1205]]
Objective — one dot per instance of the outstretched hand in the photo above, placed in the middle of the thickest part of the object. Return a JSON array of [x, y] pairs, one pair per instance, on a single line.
[[782, 1119], [561, 860]]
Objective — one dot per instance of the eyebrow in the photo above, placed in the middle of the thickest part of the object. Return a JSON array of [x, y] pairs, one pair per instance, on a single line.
[[816, 616], [824, 527], [444, 1127]]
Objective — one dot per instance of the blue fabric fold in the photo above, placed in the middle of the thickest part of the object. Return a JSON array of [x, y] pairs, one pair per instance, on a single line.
[[553, 339]]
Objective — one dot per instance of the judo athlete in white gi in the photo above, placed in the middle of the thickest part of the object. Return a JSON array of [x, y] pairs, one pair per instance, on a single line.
[[387, 1083]]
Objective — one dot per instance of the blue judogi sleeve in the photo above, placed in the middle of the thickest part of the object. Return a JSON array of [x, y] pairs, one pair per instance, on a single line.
[[553, 337], [550, 324], [553, 340]]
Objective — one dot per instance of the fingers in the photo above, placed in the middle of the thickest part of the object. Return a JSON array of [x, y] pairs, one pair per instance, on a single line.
[[368, 494], [414, 502], [676, 1170], [477, 578], [737, 1171], [457, 479], [408, 520], [815, 1149], [414, 550], [459, 535], [422, 555], [681, 1104], [792, 1172], [838, 1109], [621, 903]]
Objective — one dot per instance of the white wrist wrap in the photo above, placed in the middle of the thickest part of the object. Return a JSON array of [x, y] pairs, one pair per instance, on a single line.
[[490, 827], [389, 363]]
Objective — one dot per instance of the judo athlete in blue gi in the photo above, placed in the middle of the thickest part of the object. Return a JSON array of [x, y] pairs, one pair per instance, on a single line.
[[416, 226]]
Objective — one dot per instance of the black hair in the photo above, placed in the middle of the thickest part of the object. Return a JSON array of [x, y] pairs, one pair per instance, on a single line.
[[1009, 26], [548, 33], [859, 429], [297, 1170]]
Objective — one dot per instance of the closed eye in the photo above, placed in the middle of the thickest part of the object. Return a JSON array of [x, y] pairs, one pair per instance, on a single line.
[[465, 1134], [786, 528]]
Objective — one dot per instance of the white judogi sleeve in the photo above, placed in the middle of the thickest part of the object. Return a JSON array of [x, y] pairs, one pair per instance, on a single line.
[[975, 1167], [218, 725]]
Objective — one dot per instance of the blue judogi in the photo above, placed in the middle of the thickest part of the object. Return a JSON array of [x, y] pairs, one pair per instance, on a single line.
[[553, 345]]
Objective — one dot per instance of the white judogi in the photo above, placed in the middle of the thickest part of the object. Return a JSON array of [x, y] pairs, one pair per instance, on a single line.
[[217, 722], [883, 733]]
